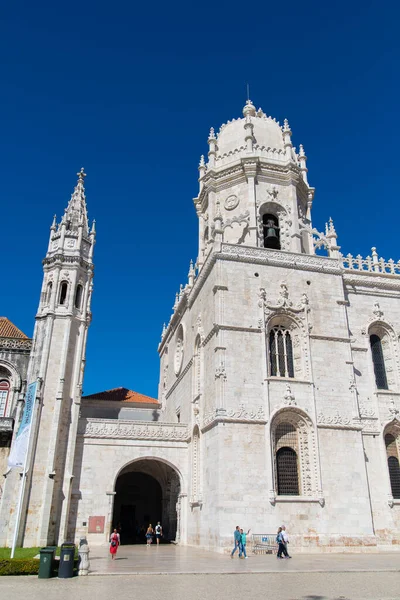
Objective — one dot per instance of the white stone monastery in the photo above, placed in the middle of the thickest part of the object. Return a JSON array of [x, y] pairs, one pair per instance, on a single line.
[[279, 392]]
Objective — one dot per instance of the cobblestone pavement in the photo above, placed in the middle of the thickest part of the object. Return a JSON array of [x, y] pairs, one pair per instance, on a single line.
[[266, 586]]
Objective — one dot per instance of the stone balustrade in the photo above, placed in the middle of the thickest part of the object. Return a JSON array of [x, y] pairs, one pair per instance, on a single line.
[[370, 264], [133, 430]]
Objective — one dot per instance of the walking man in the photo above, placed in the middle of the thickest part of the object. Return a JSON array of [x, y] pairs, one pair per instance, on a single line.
[[285, 540], [238, 542], [158, 530]]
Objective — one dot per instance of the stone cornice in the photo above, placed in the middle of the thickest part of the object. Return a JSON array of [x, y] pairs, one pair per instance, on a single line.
[[372, 280], [329, 338], [279, 258], [132, 430], [241, 415]]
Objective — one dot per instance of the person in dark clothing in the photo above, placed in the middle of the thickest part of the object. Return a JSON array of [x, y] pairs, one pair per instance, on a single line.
[[238, 542], [281, 544]]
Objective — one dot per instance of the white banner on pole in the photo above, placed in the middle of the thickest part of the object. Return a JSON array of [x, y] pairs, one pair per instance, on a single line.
[[20, 446]]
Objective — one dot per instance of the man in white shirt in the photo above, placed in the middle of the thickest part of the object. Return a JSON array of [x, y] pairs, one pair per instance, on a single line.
[[285, 540]]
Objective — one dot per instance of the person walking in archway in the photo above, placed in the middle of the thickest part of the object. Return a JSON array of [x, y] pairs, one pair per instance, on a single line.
[[158, 530], [149, 535], [115, 541]]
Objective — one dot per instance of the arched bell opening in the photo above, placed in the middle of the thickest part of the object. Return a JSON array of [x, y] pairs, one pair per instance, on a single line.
[[146, 491], [271, 231]]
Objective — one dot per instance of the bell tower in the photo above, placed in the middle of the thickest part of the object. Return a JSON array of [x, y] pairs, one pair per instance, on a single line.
[[254, 189], [57, 361]]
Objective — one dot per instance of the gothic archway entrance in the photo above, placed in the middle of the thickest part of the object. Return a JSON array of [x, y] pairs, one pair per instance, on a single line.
[[146, 491]]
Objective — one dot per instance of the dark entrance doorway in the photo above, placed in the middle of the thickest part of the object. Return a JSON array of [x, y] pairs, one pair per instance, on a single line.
[[146, 491]]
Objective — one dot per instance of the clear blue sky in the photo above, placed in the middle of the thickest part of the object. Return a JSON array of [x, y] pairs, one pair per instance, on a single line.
[[129, 90]]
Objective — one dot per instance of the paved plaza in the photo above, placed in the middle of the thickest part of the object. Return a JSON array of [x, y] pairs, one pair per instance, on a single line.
[[187, 573], [169, 559]]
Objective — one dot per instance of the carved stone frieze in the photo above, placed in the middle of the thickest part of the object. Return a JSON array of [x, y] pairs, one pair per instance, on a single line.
[[15, 344], [241, 414], [289, 398], [139, 430], [307, 262], [333, 420]]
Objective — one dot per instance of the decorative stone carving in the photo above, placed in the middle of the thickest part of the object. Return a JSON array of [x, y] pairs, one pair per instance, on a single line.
[[336, 419], [289, 397], [178, 357], [366, 412], [394, 412], [273, 193], [308, 262], [240, 414], [111, 428], [220, 372], [377, 311], [370, 426], [236, 228], [231, 202], [15, 344]]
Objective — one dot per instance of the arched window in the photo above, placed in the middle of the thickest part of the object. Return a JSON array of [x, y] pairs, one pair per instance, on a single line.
[[62, 300], [4, 393], [48, 292], [392, 453], [379, 362], [78, 296], [286, 459], [281, 352], [271, 232], [287, 472]]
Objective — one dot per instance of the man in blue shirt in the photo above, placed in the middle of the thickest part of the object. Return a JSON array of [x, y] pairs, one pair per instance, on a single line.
[[238, 542]]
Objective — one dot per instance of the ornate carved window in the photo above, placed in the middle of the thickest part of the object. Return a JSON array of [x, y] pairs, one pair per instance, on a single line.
[[271, 231], [294, 452], [62, 299], [4, 394], [281, 352], [379, 362], [78, 296], [392, 444]]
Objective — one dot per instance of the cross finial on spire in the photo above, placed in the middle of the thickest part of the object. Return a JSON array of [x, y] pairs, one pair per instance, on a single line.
[[81, 175]]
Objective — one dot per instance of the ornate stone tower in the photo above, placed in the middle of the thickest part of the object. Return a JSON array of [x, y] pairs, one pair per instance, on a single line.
[[57, 361], [251, 355]]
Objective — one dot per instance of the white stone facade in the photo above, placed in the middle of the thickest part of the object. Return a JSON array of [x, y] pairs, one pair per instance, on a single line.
[[272, 407]]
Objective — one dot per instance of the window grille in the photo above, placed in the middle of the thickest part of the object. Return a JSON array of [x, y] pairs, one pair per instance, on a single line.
[[287, 472], [281, 352], [4, 391], [393, 464], [379, 362]]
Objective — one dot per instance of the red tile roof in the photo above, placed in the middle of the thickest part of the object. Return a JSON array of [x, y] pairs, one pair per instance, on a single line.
[[9, 330], [122, 394]]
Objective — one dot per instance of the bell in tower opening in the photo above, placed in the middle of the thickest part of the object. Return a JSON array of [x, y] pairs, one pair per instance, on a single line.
[[271, 232]]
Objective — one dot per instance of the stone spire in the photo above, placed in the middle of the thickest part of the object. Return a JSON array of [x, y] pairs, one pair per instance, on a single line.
[[76, 211]]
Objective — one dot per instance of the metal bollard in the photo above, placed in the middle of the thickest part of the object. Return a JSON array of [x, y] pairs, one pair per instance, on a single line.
[[84, 563]]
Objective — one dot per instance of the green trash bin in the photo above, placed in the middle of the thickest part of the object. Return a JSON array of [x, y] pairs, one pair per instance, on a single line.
[[46, 563], [67, 557]]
